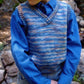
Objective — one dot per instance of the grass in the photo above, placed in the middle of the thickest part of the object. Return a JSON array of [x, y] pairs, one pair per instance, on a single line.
[[76, 78], [1, 1], [15, 6], [21, 1]]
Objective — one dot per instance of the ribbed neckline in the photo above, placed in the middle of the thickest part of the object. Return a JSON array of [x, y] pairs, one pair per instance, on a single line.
[[49, 18]]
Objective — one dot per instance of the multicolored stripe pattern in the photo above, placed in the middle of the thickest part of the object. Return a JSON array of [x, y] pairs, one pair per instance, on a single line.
[[47, 37]]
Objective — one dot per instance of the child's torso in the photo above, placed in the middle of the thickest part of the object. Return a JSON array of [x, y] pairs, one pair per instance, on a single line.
[[47, 37]]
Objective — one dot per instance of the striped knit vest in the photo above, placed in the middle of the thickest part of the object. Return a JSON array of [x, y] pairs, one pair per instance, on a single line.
[[47, 37]]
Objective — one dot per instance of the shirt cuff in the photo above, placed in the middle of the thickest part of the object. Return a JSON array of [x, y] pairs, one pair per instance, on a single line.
[[65, 79]]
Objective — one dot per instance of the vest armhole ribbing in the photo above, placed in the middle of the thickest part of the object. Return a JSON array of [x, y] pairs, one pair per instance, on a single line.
[[19, 8]]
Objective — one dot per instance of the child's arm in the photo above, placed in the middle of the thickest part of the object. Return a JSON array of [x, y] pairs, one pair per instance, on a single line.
[[19, 47], [73, 50]]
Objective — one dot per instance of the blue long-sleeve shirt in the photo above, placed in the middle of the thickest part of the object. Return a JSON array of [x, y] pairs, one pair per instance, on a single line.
[[18, 51]]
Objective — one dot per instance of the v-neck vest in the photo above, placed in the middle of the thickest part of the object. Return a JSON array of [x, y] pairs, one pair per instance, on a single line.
[[47, 36]]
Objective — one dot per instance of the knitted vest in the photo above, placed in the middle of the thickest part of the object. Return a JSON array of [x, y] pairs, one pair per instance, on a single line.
[[47, 37]]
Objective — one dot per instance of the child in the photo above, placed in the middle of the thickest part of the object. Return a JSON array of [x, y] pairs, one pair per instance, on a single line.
[[45, 42]]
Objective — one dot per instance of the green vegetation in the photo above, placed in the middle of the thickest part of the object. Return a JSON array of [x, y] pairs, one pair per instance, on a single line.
[[15, 6], [21, 1], [1, 1], [1, 46], [76, 78], [0, 26]]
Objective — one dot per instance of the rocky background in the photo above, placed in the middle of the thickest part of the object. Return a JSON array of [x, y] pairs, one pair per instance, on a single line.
[[8, 69]]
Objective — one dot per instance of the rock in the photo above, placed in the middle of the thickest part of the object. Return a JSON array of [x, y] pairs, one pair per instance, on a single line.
[[82, 78], [81, 64], [79, 18], [12, 70], [3, 82], [81, 68], [8, 5], [2, 75], [7, 47], [7, 58], [74, 82], [12, 80], [82, 57], [9, 74], [82, 23], [1, 66]]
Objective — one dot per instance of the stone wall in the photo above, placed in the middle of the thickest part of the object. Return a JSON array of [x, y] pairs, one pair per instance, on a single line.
[[8, 69], [8, 5]]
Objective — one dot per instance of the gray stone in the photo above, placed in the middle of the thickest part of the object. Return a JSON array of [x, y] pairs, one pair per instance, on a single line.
[[7, 58], [12, 70], [1, 65], [82, 57], [81, 68], [81, 64], [82, 23], [74, 82], [3, 82], [8, 5], [11, 80], [2, 75], [82, 78], [79, 18]]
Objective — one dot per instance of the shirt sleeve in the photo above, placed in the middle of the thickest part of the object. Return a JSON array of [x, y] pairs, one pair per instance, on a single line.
[[73, 50], [20, 48]]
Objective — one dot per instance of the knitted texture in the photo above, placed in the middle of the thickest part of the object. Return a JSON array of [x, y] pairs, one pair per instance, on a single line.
[[47, 37]]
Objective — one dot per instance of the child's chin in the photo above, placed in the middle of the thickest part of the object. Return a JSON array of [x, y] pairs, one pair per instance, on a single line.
[[34, 3]]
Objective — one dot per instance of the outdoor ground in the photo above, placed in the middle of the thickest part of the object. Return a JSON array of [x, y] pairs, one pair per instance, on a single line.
[[5, 18]]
